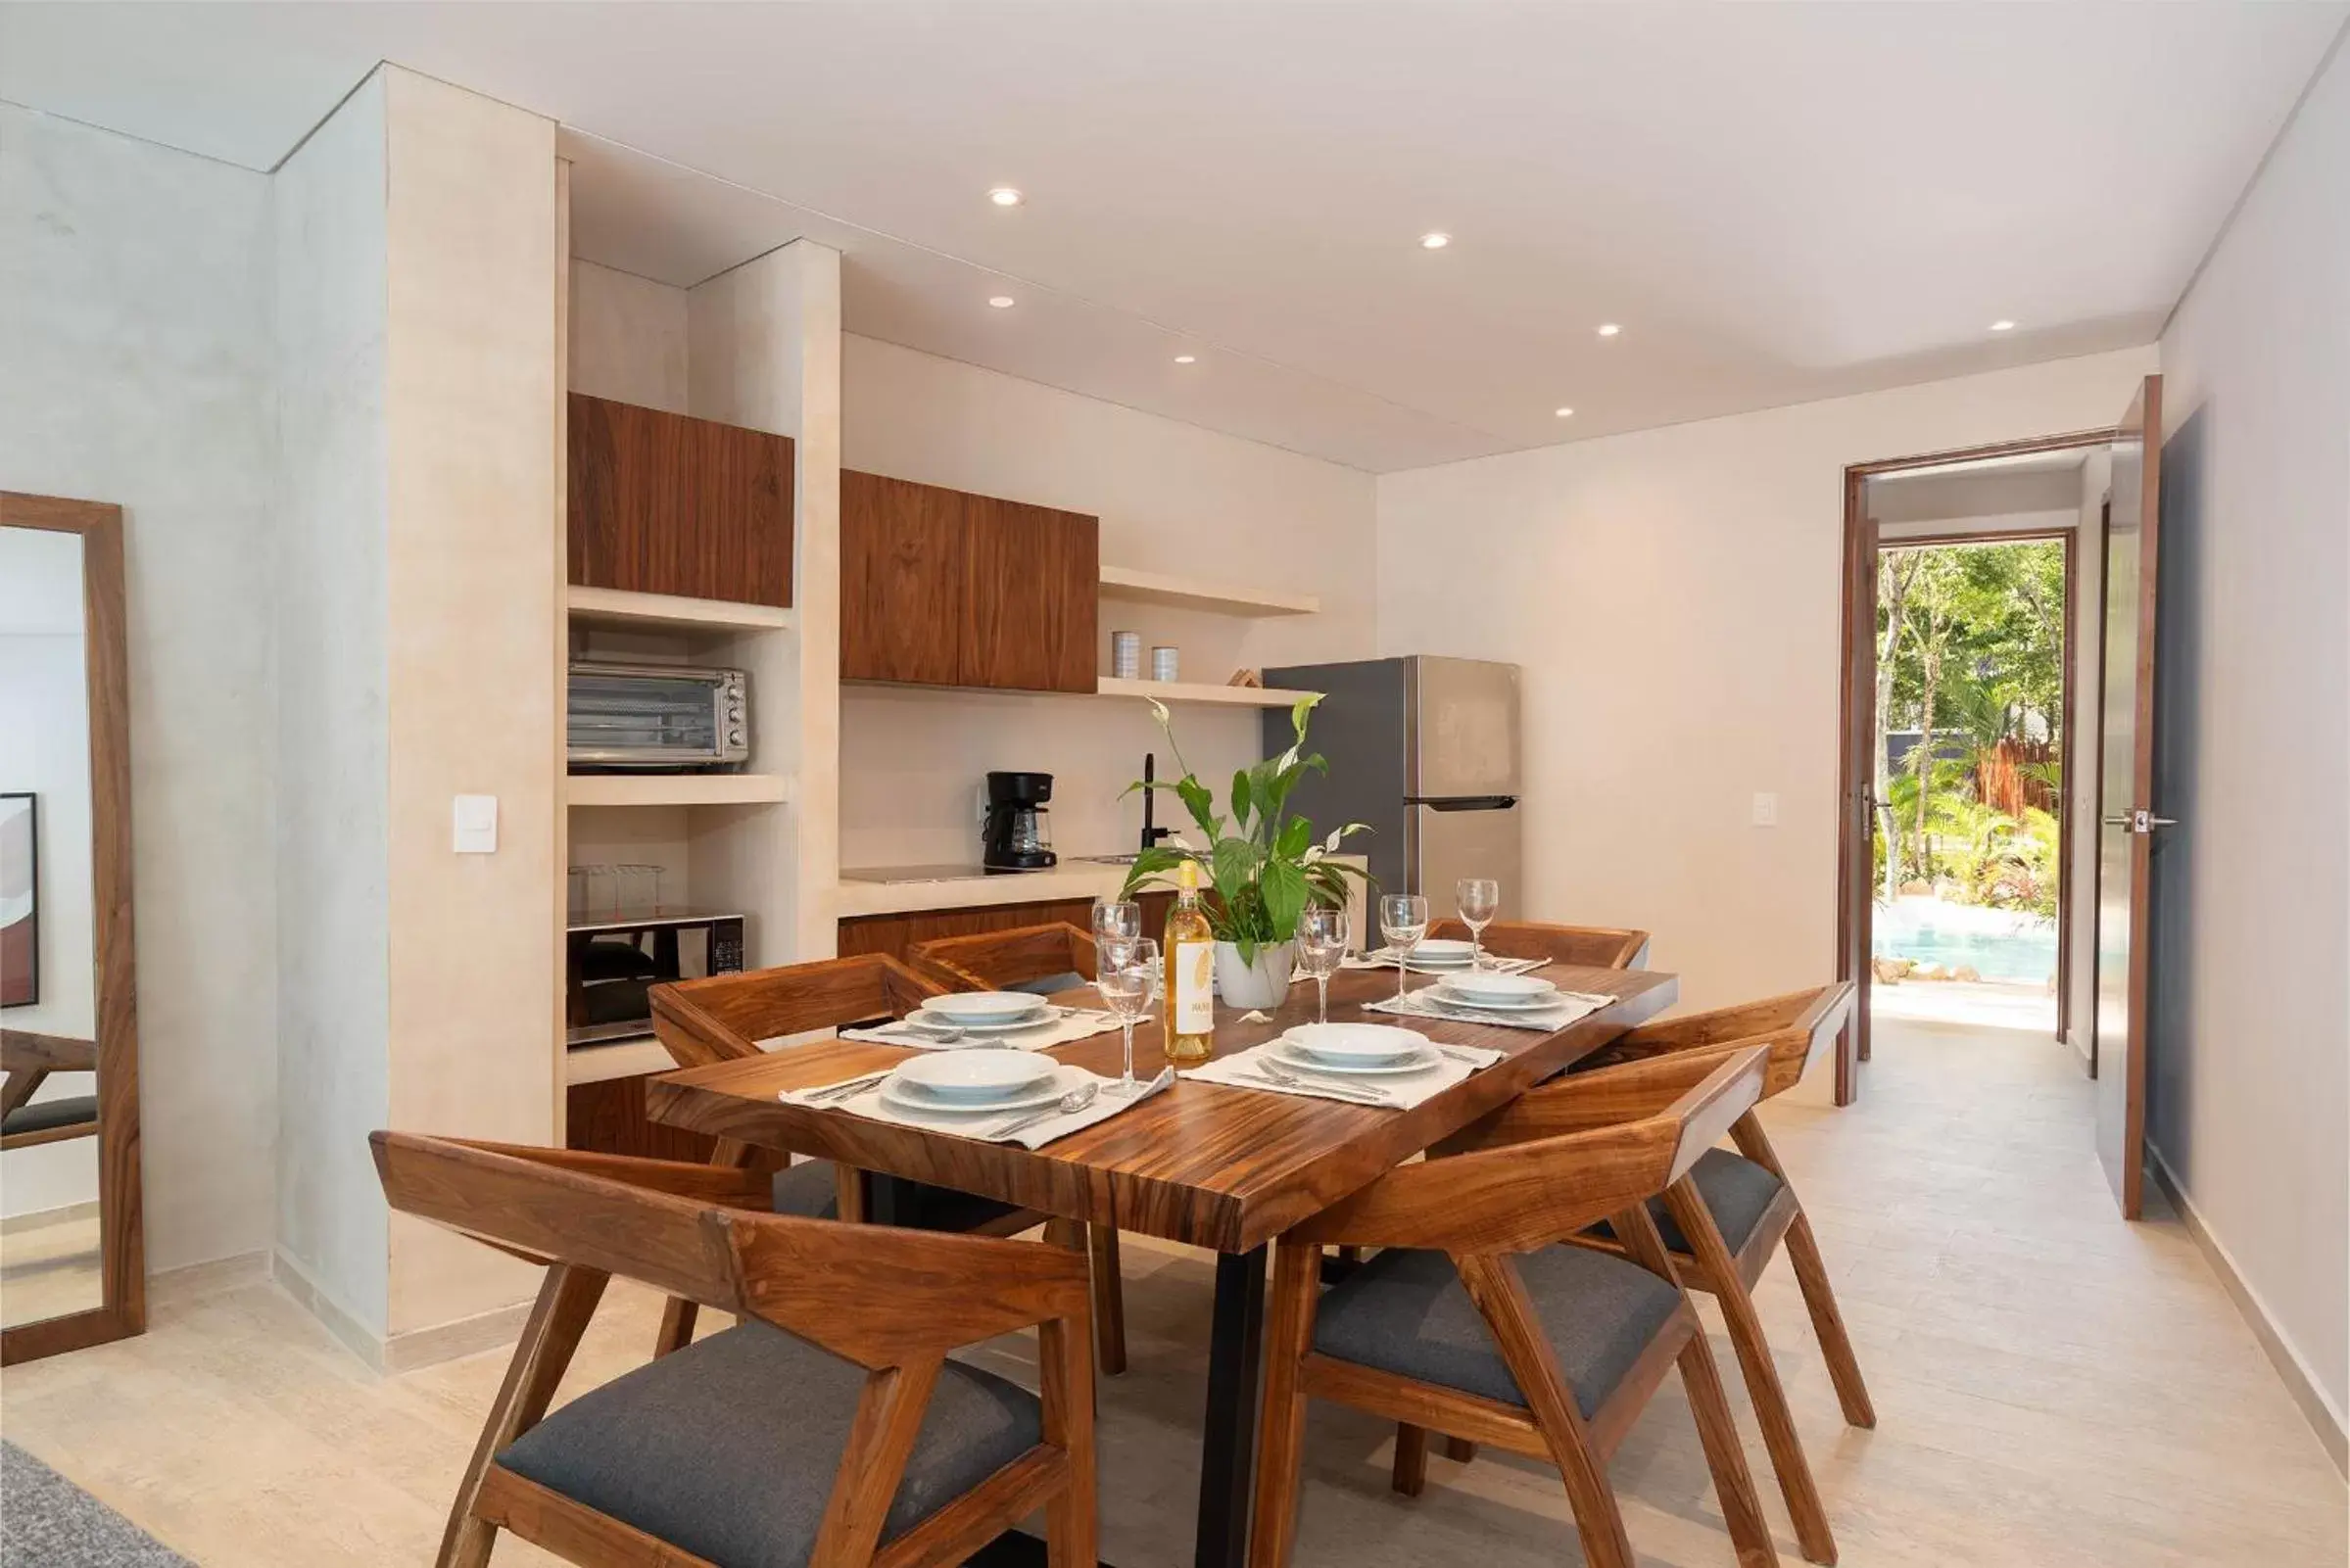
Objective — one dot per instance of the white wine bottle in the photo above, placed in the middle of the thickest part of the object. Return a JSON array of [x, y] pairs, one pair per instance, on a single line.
[[1189, 944]]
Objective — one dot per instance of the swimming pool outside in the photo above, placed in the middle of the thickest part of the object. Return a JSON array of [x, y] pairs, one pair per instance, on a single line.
[[1999, 944]]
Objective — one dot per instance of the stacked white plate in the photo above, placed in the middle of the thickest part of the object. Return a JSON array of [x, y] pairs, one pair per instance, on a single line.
[[1485, 988], [985, 1012], [963, 1082], [1441, 953], [1367, 1049]]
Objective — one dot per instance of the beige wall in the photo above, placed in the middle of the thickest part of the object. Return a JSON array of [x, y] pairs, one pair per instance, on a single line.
[[135, 368], [474, 571], [2251, 1060], [1672, 596]]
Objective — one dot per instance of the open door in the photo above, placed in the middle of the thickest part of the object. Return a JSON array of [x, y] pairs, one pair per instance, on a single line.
[[2127, 807], [1856, 885]]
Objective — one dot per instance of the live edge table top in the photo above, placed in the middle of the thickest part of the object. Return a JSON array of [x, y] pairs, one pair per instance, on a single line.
[[1204, 1164]]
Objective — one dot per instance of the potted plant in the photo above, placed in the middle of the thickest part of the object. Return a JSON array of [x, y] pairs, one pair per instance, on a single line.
[[1262, 865]]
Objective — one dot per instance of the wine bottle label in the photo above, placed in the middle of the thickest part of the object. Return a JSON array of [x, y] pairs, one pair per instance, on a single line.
[[1192, 974]]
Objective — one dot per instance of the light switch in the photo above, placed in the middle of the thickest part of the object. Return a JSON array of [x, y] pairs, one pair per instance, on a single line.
[[1766, 809], [475, 826]]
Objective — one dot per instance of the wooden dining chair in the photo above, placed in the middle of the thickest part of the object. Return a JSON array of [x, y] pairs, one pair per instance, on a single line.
[[827, 1427], [1592, 946], [1471, 1321], [27, 1060], [1048, 958], [725, 1017], [1745, 1204]]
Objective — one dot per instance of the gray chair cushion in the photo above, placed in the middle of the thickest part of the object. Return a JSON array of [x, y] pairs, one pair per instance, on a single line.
[[1406, 1312], [808, 1190], [1047, 984], [1734, 1187], [43, 1115], [728, 1447]]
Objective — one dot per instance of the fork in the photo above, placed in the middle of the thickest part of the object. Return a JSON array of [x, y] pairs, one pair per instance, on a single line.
[[1364, 1093], [847, 1088]]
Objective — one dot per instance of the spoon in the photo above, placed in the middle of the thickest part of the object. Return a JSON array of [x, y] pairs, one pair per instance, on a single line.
[[935, 1033], [1069, 1104]]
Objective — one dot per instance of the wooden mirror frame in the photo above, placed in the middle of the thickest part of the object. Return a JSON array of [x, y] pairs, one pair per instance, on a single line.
[[121, 1240]]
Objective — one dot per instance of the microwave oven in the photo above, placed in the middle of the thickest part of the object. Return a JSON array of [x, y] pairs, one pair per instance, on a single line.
[[659, 717], [612, 962]]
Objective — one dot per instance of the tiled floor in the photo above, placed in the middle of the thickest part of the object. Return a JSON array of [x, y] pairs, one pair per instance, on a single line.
[[2054, 1388]]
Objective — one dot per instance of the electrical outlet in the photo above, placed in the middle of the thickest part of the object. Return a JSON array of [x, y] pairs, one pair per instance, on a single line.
[[1766, 809]]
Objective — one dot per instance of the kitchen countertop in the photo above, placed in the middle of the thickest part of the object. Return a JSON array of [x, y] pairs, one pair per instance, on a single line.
[[866, 891]]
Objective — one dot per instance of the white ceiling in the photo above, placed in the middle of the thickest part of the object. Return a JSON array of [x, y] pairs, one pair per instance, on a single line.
[[1779, 201]]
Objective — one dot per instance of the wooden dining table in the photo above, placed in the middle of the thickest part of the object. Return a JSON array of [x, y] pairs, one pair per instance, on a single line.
[[1208, 1165]]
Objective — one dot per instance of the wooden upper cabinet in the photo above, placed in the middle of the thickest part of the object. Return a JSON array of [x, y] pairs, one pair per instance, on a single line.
[[663, 503], [1032, 586], [942, 588], [901, 580]]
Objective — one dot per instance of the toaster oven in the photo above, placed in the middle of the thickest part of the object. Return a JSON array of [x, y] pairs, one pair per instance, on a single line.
[[658, 717]]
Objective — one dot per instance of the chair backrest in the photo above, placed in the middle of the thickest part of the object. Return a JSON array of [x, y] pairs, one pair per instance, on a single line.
[[724, 1017], [27, 1059], [1527, 1192], [997, 960], [875, 1295], [1590, 946], [1799, 1028]]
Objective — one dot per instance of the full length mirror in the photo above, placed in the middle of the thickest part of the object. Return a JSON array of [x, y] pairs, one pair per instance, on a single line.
[[69, 1252]]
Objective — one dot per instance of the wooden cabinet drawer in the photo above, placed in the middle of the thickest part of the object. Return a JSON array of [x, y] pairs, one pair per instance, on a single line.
[[663, 503], [902, 602]]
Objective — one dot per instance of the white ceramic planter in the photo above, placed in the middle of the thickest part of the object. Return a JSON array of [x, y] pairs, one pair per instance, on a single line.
[[1262, 985]]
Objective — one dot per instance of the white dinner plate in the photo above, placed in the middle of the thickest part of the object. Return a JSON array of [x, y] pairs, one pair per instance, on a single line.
[[1418, 1060], [926, 1015], [899, 1096], [986, 1006], [1445, 990], [1355, 1043], [1442, 950], [1506, 991], [978, 1078]]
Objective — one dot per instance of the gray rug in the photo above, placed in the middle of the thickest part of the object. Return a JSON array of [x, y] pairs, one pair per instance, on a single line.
[[47, 1520]]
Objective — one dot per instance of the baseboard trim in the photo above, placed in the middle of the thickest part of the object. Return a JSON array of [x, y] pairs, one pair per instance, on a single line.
[[356, 1337], [446, 1342], [2316, 1409], [43, 1219]]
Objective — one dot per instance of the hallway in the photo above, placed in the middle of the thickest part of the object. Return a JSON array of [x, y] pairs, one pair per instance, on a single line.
[[2054, 1388]]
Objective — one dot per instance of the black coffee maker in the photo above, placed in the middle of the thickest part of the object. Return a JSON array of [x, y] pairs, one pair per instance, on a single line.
[[1015, 837]]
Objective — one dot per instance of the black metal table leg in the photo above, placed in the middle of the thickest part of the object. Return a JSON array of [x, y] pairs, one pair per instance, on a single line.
[[1228, 1440]]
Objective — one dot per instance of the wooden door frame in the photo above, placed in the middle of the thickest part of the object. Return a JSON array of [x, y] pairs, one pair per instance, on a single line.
[[1857, 709], [121, 1239]]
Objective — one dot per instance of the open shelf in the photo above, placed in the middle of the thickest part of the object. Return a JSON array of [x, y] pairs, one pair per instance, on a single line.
[[1157, 588], [1236, 696], [614, 606], [676, 789]]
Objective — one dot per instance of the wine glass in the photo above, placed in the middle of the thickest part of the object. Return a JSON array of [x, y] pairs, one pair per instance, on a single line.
[[1116, 919], [1129, 983], [1478, 897], [1403, 921], [1321, 937]]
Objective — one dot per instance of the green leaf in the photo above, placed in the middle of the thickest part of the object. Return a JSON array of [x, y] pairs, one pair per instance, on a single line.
[[1240, 798], [1296, 837], [1282, 887], [1201, 805], [1152, 862]]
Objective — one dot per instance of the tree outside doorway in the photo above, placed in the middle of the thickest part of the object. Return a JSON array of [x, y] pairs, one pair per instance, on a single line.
[[1969, 704]]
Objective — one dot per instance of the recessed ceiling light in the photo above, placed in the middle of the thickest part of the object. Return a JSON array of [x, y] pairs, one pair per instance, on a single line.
[[1564, 413], [1186, 359], [1434, 241], [1004, 196], [1608, 330], [1003, 301], [2002, 326]]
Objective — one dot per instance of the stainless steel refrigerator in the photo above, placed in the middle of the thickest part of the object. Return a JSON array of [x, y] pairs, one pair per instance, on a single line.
[[1426, 751]]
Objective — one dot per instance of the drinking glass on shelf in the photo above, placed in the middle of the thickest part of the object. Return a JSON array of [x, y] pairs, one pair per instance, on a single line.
[[1128, 979], [1116, 919], [1478, 897], [1403, 921], [1322, 938], [637, 889]]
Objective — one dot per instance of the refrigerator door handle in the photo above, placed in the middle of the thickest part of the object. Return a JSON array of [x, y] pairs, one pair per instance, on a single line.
[[1464, 802]]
